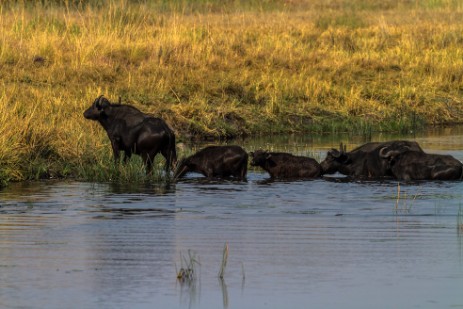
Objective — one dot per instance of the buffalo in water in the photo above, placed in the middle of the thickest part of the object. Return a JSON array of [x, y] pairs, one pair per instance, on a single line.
[[216, 162], [285, 166], [132, 131], [416, 165], [364, 162]]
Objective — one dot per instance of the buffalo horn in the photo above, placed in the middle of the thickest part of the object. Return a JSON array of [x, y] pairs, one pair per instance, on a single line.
[[342, 148], [335, 153], [383, 153], [97, 101], [387, 154], [102, 101]]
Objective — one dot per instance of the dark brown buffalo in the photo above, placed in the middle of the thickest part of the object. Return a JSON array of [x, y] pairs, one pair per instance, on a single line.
[[216, 162], [132, 131], [416, 165], [285, 165], [364, 161]]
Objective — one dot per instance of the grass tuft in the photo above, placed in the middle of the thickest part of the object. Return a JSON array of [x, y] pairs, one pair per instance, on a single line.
[[187, 271]]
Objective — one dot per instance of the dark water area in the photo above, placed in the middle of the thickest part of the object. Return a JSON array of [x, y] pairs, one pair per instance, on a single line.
[[320, 244]]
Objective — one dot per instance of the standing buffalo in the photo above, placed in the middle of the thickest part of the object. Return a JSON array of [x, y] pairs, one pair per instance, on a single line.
[[132, 131], [416, 165], [284, 165], [364, 161], [216, 162]]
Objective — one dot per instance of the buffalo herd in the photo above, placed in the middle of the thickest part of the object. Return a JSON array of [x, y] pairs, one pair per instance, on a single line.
[[134, 132]]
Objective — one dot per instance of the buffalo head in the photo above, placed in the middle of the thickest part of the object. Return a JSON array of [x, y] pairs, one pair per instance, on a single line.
[[334, 160], [259, 157], [182, 168], [97, 110]]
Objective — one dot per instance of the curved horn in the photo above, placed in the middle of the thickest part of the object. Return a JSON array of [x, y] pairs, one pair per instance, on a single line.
[[382, 152], [100, 99], [393, 152], [97, 100], [103, 102], [385, 154], [342, 148], [405, 148], [335, 153]]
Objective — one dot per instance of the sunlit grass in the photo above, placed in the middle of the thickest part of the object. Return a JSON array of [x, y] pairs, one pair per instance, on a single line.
[[219, 69]]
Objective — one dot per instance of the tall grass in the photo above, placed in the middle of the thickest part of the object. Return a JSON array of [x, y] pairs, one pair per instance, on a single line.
[[220, 69]]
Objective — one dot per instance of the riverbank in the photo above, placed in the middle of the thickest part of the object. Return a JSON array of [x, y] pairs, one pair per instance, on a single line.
[[215, 70]]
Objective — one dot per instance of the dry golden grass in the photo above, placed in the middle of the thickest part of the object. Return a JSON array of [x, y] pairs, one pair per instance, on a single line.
[[220, 69]]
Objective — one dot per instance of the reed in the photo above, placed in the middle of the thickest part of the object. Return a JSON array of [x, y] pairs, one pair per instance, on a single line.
[[219, 69], [187, 272], [404, 203], [223, 265], [460, 221]]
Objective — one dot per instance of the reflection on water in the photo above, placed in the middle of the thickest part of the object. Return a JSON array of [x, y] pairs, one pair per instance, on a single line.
[[320, 243]]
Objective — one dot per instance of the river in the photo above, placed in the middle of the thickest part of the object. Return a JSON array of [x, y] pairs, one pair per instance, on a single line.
[[325, 243]]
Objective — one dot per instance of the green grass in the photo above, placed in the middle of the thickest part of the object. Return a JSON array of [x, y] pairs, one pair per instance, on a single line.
[[219, 69]]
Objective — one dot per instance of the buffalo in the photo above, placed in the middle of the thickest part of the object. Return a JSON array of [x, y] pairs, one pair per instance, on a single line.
[[416, 165], [132, 131], [216, 162], [364, 161], [282, 165]]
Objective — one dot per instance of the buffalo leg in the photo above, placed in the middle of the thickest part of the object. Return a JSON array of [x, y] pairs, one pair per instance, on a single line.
[[127, 155], [446, 173], [148, 159], [148, 162], [208, 172], [169, 156], [240, 171], [243, 171], [115, 147], [170, 153]]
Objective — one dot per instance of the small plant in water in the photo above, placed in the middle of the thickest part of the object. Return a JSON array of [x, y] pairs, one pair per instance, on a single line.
[[460, 221], [187, 272], [403, 207], [224, 261]]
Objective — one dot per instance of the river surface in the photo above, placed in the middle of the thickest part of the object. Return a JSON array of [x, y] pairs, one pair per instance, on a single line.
[[325, 243]]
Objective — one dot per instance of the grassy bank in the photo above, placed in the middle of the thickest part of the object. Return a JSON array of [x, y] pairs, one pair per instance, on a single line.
[[219, 69]]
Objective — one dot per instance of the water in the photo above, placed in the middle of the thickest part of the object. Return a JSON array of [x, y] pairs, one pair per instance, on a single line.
[[317, 244]]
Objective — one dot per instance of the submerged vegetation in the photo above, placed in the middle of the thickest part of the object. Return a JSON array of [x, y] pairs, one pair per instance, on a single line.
[[188, 271], [219, 69]]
